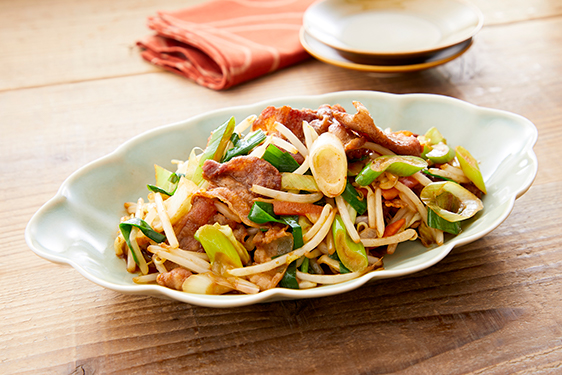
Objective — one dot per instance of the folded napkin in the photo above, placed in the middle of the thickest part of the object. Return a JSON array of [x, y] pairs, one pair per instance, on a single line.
[[222, 43]]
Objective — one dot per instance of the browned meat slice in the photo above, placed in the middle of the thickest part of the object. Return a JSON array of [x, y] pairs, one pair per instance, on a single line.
[[275, 241], [363, 123], [290, 117], [349, 139], [231, 182], [202, 212], [268, 280], [173, 279], [325, 114]]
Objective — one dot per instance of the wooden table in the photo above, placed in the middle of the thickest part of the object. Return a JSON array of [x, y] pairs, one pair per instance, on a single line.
[[73, 88]]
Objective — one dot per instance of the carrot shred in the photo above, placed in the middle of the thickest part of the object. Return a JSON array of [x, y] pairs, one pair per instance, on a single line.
[[392, 229], [390, 194], [296, 208]]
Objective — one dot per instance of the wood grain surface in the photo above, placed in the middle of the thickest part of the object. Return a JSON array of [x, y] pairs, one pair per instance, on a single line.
[[73, 88]]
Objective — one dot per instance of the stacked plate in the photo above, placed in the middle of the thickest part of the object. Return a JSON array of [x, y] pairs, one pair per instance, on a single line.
[[389, 35]]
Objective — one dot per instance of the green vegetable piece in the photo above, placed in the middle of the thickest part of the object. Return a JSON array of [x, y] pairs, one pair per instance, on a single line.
[[441, 153], [240, 249], [356, 200], [436, 176], [214, 241], [351, 254], [289, 279], [304, 265], [469, 166], [296, 230], [433, 136], [166, 181], [343, 269], [437, 222], [281, 160], [245, 145], [215, 147], [451, 201], [293, 181], [126, 227], [400, 165], [262, 212]]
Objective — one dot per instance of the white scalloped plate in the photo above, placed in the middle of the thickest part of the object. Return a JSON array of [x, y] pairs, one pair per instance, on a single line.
[[78, 225], [392, 28]]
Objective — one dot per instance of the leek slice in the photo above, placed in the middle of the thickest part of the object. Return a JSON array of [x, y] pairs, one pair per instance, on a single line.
[[469, 166], [400, 165], [351, 254], [293, 181], [441, 153], [215, 241], [328, 164], [451, 201], [215, 149]]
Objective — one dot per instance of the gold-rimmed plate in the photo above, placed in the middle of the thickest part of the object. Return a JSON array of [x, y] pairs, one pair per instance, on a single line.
[[332, 56]]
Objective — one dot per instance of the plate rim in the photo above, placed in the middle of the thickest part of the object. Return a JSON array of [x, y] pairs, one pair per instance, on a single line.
[[406, 68], [228, 301], [398, 54]]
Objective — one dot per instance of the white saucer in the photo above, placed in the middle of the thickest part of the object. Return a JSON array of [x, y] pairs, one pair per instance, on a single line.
[[332, 56], [392, 28]]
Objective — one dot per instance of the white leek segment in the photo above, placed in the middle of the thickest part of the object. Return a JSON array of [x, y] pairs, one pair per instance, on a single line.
[[328, 164]]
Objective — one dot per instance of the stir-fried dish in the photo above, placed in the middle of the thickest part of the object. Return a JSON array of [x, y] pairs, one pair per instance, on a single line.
[[296, 198]]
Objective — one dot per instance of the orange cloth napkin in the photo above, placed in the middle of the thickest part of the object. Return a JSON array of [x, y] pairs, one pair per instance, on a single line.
[[222, 43]]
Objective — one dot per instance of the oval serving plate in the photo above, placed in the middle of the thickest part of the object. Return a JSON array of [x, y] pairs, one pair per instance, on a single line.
[[390, 29], [78, 225]]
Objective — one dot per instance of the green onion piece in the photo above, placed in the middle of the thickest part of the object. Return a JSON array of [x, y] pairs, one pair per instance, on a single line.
[[304, 265], [293, 222], [262, 212], [469, 166], [166, 181], [450, 200], [433, 136], [245, 145], [234, 138], [281, 160], [400, 165], [351, 254], [425, 171], [437, 222], [215, 147], [343, 269], [352, 196], [289, 279], [214, 241], [293, 181], [126, 227], [441, 154]]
